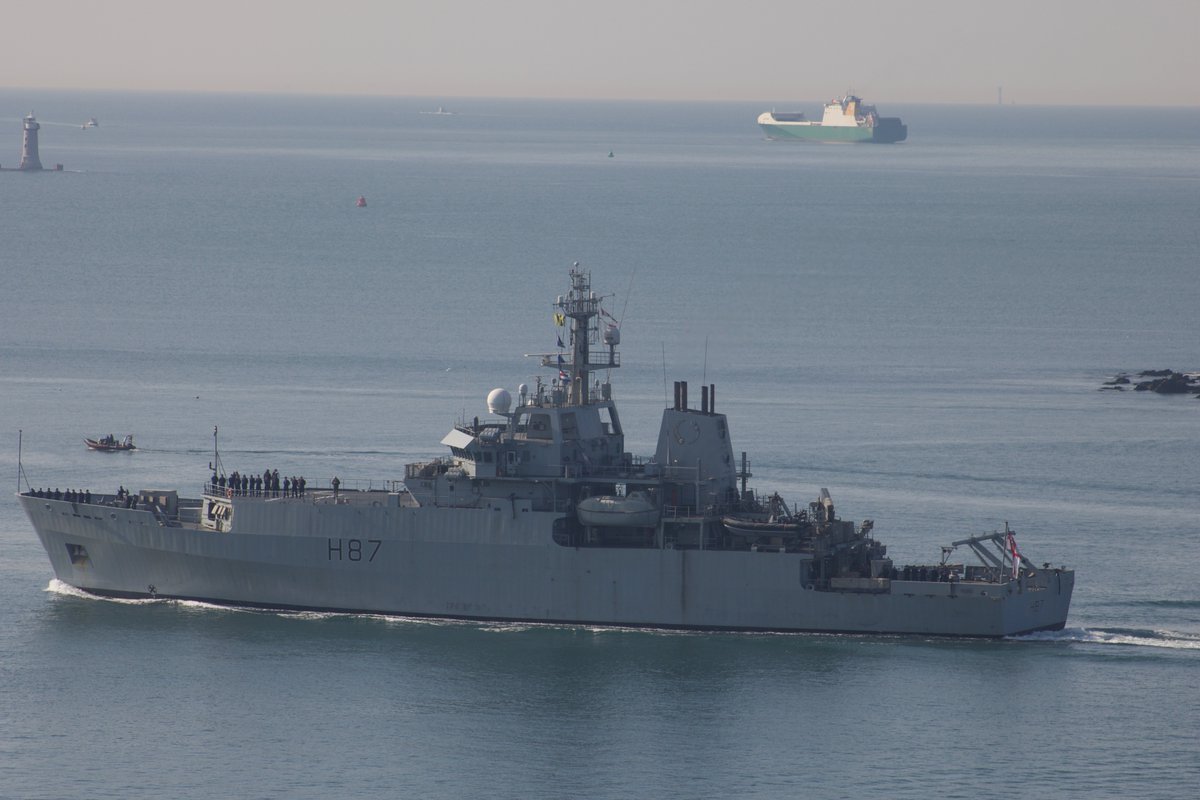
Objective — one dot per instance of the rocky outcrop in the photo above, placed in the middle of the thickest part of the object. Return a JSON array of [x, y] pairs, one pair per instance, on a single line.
[[1159, 381]]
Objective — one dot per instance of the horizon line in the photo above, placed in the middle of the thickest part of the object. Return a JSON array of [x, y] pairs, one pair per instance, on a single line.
[[565, 98]]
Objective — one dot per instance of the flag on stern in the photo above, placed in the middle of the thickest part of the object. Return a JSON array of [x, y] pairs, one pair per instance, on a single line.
[[1011, 542]]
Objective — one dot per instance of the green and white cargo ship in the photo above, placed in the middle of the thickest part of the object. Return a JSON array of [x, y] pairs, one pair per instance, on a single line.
[[846, 119]]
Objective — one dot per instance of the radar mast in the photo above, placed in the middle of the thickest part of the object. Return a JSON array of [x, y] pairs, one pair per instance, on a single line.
[[582, 306]]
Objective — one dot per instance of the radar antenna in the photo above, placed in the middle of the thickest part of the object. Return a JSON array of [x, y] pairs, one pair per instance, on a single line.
[[582, 307], [216, 466]]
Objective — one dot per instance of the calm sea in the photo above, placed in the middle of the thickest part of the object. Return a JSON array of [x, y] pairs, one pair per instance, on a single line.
[[921, 328]]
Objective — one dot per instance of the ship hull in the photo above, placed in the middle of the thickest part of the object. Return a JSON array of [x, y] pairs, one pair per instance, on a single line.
[[500, 562], [815, 132], [105, 447]]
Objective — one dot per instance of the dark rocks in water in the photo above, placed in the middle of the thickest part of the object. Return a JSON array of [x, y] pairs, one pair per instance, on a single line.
[[1110, 388], [1166, 382], [1174, 384], [1160, 381]]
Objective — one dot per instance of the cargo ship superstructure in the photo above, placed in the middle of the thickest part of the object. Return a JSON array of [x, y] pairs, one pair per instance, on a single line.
[[845, 119], [539, 514]]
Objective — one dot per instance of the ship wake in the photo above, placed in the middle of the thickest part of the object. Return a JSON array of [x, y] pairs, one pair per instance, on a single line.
[[1124, 637], [67, 590]]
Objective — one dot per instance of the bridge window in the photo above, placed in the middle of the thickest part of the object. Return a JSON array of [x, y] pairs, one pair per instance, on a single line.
[[539, 427]]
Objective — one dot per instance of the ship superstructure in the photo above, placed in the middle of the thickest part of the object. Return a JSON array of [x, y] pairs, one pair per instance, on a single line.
[[538, 513]]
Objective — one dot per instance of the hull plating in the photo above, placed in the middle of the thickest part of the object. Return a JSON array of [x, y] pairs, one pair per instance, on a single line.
[[502, 563], [826, 133]]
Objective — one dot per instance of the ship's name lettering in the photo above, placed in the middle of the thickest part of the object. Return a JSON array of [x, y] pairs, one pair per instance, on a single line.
[[354, 549]]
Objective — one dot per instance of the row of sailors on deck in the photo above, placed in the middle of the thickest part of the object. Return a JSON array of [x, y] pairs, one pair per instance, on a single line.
[[122, 499], [70, 495], [265, 485]]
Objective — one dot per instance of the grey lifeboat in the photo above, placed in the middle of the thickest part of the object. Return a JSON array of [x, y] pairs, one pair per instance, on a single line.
[[762, 525], [634, 510]]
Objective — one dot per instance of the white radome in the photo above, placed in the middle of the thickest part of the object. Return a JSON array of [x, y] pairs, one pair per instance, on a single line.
[[499, 401]]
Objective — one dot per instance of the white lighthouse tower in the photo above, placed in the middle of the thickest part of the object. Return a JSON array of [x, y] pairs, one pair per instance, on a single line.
[[29, 149]]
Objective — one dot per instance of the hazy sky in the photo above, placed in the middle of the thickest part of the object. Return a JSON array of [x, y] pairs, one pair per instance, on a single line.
[[1103, 52]]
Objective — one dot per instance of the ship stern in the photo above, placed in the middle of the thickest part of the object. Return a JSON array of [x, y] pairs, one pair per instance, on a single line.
[[889, 130], [1039, 601]]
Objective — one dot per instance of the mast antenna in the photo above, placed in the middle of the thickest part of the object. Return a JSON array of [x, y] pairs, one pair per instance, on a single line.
[[666, 400], [216, 466], [20, 468], [628, 294]]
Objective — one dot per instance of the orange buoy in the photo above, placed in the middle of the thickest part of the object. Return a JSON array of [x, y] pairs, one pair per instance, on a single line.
[[361, 202]]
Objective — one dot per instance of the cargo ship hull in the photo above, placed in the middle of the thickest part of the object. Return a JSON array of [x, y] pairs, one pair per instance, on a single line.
[[815, 132]]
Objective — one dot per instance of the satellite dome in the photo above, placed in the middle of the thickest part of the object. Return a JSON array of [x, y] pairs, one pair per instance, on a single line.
[[499, 401]]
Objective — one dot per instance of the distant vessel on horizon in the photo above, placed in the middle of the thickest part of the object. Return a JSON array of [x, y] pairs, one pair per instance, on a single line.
[[845, 119], [441, 112], [91, 123]]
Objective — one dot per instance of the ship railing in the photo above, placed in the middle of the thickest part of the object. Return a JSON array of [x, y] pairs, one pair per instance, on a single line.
[[679, 512], [391, 485], [708, 510], [636, 468], [96, 499], [596, 360], [362, 485], [950, 573], [216, 490], [693, 511]]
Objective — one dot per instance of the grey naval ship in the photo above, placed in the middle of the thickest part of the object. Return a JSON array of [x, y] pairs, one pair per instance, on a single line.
[[538, 514]]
